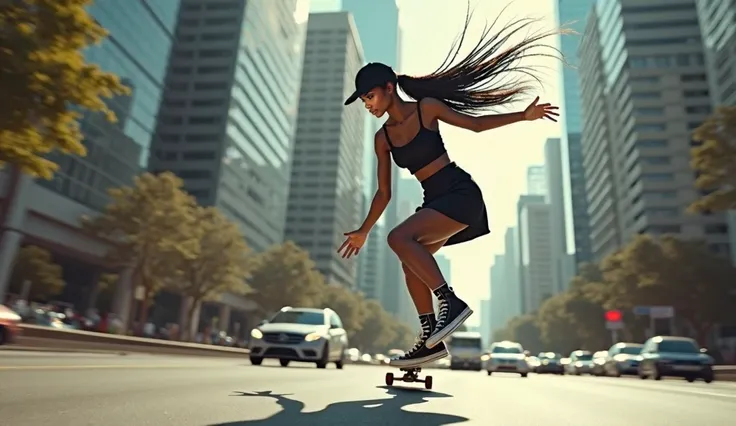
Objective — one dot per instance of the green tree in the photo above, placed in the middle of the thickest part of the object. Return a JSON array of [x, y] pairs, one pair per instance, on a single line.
[[149, 226], [105, 291], [45, 80], [522, 329], [218, 261], [349, 305], [378, 331], [715, 161], [683, 274], [404, 337], [284, 275], [36, 265]]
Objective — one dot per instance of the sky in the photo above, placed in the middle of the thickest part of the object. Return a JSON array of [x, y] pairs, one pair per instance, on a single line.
[[497, 159]]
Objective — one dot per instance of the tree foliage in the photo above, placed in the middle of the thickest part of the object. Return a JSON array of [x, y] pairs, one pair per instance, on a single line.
[[149, 226], [349, 305], [662, 271], [35, 265], [217, 260], [378, 330], [45, 80], [284, 275], [715, 161]]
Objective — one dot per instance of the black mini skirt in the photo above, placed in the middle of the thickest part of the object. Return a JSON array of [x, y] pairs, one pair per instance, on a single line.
[[453, 192]]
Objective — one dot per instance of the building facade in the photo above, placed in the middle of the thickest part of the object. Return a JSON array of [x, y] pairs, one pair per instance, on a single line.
[[326, 179], [536, 255], [228, 118], [47, 213], [645, 89], [536, 180]]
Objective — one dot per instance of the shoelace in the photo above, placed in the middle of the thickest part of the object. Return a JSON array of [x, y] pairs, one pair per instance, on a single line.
[[418, 342], [443, 312]]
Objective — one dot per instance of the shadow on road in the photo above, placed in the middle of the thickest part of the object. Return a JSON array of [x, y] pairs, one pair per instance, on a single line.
[[386, 411]]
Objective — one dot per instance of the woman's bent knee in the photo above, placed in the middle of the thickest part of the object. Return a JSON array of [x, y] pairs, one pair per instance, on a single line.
[[396, 238]]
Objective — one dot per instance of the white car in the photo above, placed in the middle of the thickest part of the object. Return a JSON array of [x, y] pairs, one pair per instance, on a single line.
[[300, 334], [507, 357]]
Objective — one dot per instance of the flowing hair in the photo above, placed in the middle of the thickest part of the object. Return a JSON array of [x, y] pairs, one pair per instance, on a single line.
[[474, 83]]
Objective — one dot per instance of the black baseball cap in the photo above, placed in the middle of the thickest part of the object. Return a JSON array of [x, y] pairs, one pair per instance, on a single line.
[[372, 75]]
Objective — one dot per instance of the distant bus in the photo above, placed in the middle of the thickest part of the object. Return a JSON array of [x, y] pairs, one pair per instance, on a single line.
[[466, 350]]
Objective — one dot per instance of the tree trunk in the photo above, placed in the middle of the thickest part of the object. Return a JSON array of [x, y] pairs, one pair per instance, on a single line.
[[191, 309]]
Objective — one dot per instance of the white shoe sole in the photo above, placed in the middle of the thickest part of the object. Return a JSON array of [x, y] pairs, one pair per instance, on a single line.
[[435, 339], [417, 362]]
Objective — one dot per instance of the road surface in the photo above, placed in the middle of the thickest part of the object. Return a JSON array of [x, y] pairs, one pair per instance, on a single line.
[[138, 390]]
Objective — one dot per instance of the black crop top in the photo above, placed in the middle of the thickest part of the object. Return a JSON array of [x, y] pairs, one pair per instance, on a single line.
[[424, 148]]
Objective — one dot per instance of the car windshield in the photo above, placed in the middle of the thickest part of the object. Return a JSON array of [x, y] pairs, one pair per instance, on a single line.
[[679, 346], [506, 350], [550, 355], [299, 317], [631, 350], [461, 342], [584, 357]]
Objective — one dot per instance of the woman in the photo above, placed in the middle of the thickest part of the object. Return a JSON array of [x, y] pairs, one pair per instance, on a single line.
[[453, 210]]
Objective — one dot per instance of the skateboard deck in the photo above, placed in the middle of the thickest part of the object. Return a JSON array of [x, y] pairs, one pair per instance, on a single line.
[[411, 375]]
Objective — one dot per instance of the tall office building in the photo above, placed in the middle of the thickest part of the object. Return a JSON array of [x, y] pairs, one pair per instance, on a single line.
[[511, 274], [137, 49], [718, 27], [326, 178], [536, 180], [380, 46], [520, 236], [536, 255], [46, 213], [555, 197], [574, 13], [499, 294], [411, 197], [228, 118], [644, 90]]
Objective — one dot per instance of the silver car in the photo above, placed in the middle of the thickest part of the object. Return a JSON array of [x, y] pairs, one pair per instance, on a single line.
[[300, 334], [507, 357]]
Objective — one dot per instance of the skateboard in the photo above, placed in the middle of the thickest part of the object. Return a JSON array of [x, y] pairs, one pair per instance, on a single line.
[[411, 375]]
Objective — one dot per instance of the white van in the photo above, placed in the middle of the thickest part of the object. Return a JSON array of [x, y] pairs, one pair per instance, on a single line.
[[466, 350]]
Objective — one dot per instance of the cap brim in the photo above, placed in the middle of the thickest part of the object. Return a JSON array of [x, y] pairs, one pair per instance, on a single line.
[[352, 98]]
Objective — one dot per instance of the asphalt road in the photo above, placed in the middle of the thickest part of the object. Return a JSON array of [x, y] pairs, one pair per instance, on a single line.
[[138, 390]]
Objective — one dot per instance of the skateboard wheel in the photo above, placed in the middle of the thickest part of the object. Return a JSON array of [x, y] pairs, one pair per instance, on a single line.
[[389, 379], [428, 382]]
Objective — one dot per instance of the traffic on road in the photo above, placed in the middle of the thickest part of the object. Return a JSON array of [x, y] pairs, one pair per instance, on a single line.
[[104, 389]]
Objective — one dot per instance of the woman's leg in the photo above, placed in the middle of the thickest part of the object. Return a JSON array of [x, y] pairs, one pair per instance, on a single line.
[[420, 294], [409, 241]]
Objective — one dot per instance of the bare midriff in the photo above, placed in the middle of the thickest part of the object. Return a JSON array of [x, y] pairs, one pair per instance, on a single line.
[[433, 167]]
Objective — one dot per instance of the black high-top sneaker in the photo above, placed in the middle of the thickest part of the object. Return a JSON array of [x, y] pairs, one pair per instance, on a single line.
[[453, 313], [419, 354]]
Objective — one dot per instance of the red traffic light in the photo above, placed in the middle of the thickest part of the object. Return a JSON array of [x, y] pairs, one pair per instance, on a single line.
[[613, 316]]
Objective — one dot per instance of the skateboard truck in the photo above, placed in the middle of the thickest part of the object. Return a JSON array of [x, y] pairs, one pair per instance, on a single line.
[[411, 375]]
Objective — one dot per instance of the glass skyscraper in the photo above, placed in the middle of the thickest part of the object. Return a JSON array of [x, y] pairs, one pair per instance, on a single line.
[[573, 14], [137, 49], [228, 117]]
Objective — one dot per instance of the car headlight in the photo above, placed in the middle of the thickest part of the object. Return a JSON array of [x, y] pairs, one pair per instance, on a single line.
[[620, 358], [256, 334], [485, 358], [311, 337], [578, 364]]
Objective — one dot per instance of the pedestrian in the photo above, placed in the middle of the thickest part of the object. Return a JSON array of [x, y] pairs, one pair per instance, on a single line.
[[453, 210]]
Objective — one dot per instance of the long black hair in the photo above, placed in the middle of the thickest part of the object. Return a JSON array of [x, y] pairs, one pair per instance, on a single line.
[[475, 83]]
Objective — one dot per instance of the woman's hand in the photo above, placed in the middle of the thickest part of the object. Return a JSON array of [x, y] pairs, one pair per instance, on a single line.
[[353, 243], [535, 112]]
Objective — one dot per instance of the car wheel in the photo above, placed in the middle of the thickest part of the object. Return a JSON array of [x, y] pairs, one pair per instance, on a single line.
[[284, 362], [255, 360], [322, 363], [524, 375]]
